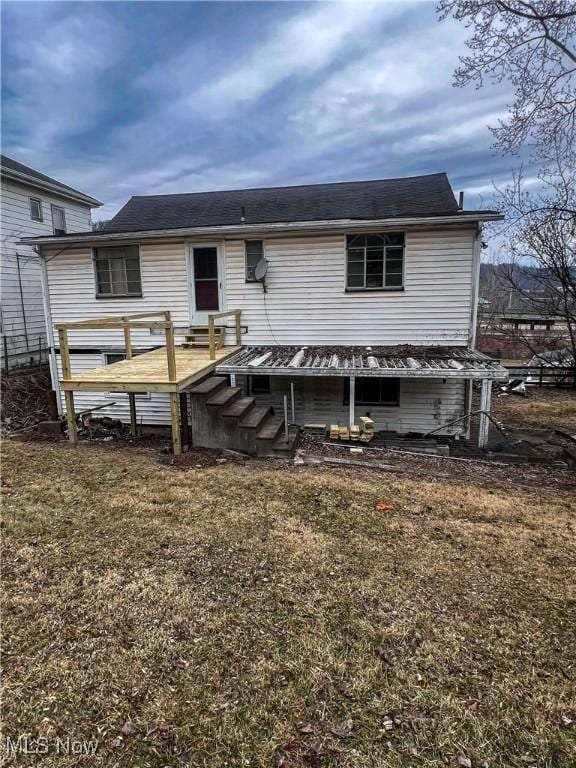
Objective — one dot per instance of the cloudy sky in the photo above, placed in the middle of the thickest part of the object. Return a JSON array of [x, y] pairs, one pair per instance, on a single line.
[[123, 98]]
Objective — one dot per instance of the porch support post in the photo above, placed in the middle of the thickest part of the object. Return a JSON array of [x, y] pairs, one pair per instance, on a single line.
[[485, 400], [175, 414], [232, 379], [184, 425], [352, 399], [468, 406], [133, 419], [71, 417]]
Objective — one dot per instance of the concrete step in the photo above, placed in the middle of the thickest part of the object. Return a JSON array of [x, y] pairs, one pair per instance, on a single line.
[[255, 417], [223, 397], [239, 408], [209, 386], [270, 428], [283, 447]]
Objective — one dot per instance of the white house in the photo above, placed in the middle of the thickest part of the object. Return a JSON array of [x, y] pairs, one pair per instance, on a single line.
[[32, 205], [367, 306]]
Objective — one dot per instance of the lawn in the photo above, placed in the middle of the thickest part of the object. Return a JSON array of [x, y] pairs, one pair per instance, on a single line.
[[545, 408], [249, 615]]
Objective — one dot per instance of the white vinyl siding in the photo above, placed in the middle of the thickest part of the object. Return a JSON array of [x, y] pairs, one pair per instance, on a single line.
[[17, 223], [306, 300], [306, 303], [424, 403], [165, 285]]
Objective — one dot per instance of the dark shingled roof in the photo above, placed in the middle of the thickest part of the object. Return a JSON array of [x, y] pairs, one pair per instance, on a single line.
[[8, 164], [361, 200]]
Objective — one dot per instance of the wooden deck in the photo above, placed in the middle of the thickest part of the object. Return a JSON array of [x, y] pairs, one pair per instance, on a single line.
[[148, 372]]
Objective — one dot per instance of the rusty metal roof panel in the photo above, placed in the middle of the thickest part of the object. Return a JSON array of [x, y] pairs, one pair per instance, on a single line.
[[400, 360]]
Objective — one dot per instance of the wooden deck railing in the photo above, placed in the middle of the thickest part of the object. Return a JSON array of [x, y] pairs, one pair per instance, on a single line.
[[211, 335]]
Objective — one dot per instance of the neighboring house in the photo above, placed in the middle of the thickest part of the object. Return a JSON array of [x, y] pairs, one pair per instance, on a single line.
[[33, 205], [368, 306]]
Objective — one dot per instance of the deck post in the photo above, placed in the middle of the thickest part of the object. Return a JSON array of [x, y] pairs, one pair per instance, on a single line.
[[352, 399], [238, 329], [71, 417], [131, 396], [485, 400], [211, 339], [175, 414], [170, 353], [68, 395], [184, 424]]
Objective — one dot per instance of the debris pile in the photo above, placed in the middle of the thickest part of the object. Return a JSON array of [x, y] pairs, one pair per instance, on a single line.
[[24, 401]]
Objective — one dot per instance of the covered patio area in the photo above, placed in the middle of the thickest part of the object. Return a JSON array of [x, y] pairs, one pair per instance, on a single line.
[[352, 363]]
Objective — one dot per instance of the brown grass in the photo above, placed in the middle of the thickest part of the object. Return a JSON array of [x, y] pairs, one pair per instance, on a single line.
[[247, 616], [545, 408]]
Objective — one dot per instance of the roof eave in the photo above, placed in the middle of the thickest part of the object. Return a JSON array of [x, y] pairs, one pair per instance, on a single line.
[[32, 181], [240, 229]]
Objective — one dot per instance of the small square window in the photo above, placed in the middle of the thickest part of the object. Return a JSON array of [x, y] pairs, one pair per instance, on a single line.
[[36, 209], [58, 220], [254, 250], [117, 271], [259, 385]]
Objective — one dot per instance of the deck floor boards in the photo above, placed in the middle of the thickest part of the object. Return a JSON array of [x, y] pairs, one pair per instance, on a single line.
[[149, 372]]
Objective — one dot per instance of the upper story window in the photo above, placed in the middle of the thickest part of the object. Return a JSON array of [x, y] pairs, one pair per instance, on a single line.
[[118, 271], [254, 250], [375, 262], [58, 220], [36, 209]]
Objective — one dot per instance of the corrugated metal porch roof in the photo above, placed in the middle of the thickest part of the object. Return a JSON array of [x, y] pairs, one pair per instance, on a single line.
[[398, 361]]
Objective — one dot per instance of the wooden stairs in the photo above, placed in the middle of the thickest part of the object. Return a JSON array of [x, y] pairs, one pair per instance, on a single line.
[[223, 418], [198, 336]]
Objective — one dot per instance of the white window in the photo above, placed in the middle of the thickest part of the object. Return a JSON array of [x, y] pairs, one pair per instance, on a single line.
[[58, 220], [36, 209], [115, 357], [117, 271], [375, 262], [254, 252]]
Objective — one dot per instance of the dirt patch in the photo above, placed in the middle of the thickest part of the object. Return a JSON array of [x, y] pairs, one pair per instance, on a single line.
[[542, 408]]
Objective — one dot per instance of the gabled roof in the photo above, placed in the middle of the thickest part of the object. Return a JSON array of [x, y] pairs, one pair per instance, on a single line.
[[357, 200], [12, 169]]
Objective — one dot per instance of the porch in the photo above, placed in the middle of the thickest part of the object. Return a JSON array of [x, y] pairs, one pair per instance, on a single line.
[[435, 382], [169, 369]]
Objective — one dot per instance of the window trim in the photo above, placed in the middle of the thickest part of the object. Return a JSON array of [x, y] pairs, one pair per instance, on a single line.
[[58, 208], [112, 296], [39, 201], [251, 240], [371, 404], [378, 289]]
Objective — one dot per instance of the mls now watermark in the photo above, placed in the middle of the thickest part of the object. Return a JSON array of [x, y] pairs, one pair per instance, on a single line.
[[25, 744]]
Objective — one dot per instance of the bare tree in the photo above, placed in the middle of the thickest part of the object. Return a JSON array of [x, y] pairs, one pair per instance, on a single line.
[[532, 44]]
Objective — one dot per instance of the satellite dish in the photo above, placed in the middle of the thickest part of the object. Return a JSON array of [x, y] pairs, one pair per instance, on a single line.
[[260, 270]]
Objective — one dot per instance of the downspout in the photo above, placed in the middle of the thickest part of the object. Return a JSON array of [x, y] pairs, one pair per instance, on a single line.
[[476, 248], [49, 328]]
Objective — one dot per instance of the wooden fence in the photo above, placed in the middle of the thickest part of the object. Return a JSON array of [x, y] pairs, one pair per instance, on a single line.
[[544, 375]]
